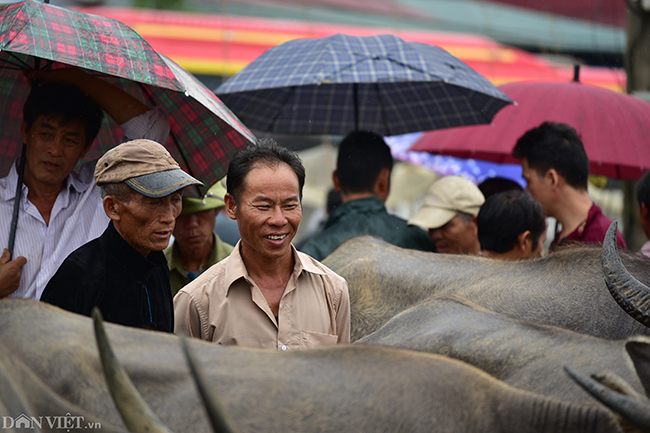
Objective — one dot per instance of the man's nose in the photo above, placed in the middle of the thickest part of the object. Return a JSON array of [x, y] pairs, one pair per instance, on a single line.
[[436, 234], [167, 213], [192, 220], [55, 146], [277, 217]]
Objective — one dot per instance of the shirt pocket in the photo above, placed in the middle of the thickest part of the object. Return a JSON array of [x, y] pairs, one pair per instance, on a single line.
[[314, 339]]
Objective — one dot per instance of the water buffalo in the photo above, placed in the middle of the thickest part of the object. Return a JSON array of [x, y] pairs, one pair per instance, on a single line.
[[51, 358], [525, 355], [565, 288]]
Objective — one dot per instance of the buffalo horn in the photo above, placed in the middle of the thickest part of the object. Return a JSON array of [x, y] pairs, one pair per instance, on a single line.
[[217, 413], [134, 411], [633, 410], [632, 295]]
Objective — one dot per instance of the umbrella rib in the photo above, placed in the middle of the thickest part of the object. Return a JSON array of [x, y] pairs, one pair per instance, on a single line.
[[382, 110], [289, 94], [19, 63]]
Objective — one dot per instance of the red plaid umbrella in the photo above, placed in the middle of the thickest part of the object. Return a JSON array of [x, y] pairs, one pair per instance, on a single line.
[[204, 133]]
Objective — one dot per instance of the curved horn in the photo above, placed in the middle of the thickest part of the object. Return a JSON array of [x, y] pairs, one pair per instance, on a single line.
[[134, 411], [219, 417], [632, 295], [635, 411]]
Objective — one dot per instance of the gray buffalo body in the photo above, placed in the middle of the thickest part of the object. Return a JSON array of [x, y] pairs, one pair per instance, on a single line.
[[525, 355], [565, 289], [50, 359]]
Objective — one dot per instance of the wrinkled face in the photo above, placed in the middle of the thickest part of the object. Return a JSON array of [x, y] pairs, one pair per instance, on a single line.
[[268, 212], [147, 223], [455, 237], [52, 151], [194, 231], [536, 184]]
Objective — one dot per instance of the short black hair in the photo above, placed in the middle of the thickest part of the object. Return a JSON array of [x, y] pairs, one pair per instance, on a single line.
[[362, 156], [507, 214], [268, 152], [495, 185], [643, 190], [557, 146], [68, 104]]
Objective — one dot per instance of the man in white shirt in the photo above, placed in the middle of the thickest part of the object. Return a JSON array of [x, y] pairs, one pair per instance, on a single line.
[[60, 210]]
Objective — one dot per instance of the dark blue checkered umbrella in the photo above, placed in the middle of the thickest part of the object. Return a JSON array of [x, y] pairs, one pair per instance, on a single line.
[[340, 83]]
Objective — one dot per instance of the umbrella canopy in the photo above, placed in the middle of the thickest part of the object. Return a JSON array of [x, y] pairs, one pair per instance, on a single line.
[[341, 83], [614, 127], [33, 35]]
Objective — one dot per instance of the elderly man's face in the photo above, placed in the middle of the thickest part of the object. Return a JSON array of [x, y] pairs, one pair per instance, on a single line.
[[194, 231], [268, 213], [53, 150], [455, 237], [147, 223]]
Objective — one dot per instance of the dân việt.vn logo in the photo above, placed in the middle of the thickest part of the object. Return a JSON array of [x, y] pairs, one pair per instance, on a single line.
[[66, 422]]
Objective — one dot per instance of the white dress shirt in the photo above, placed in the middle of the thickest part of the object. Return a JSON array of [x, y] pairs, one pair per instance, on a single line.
[[77, 216]]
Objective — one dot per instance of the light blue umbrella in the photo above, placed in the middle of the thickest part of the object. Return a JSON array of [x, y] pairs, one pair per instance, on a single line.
[[340, 83]]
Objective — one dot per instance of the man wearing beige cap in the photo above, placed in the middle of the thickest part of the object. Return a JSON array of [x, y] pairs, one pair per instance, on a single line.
[[449, 212], [196, 246], [124, 272]]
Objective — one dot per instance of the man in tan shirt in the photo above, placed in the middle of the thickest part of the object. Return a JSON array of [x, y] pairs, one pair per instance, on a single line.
[[266, 294]]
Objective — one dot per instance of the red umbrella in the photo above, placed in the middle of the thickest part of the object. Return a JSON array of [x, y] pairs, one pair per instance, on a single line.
[[614, 127]]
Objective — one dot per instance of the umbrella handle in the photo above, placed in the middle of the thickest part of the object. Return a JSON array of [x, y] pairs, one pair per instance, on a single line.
[[14, 217]]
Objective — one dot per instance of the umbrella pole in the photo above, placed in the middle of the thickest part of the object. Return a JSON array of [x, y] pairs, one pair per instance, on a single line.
[[14, 217], [355, 89]]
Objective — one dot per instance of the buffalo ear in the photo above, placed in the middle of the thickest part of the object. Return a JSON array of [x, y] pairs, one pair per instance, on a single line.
[[639, 351], [634, 409]]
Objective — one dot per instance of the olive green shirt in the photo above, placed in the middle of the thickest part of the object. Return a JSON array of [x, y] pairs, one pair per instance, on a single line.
[[178, 275]]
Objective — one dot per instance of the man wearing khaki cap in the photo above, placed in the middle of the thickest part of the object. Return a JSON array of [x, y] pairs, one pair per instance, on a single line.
[[449, 212], [124, 272], [196, 246]]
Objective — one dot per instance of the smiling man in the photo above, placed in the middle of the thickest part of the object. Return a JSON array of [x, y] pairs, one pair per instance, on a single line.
[[124, 272], [266, 294]]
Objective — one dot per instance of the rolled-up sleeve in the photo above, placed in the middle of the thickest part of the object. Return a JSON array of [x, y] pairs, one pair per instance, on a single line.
[[187, 318], [152, 125]]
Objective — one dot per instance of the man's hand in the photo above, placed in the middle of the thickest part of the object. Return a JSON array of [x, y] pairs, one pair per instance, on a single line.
[[10, 273]]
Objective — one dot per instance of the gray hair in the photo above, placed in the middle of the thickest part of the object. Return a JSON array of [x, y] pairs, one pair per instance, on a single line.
[[120, 190]]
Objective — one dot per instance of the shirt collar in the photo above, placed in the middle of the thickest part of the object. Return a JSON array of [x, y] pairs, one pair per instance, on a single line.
[[79, 182], [235, 268], [367, 204], [115, 245]]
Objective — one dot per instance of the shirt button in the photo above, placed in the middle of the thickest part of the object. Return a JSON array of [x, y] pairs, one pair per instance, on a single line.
[[284, 347]]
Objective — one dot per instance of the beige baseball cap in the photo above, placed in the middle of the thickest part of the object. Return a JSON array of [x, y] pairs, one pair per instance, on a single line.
[[211, 200], [446, 197], [144, 165]]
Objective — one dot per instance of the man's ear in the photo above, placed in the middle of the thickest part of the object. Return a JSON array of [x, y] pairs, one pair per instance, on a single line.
[[86, 149], [112, 207], [474, 223], [644, 212], [524, 239], [553, 177], [336, 181], [24, 131], [382, 184], [231, 206]]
